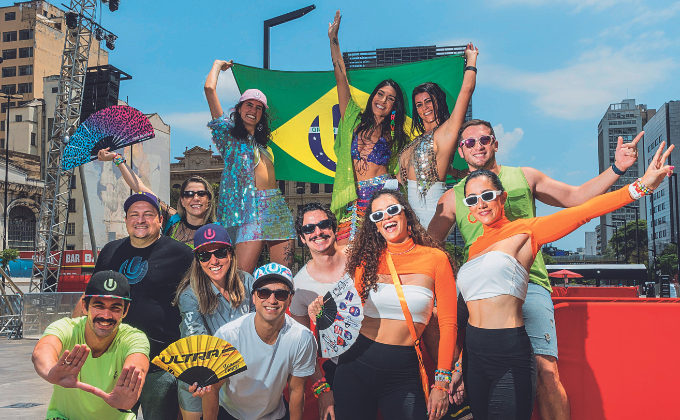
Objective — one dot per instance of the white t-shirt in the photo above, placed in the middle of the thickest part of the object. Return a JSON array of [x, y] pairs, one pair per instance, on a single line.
[[306, 290], [257, 393]]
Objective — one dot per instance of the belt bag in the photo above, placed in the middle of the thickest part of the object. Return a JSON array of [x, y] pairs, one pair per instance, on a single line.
[[409, 322]]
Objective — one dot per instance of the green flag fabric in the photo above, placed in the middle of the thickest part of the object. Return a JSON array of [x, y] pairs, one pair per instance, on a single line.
[[304, 108]]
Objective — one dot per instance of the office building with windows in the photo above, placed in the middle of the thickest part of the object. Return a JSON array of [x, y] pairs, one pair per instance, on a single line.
[[624, 119]]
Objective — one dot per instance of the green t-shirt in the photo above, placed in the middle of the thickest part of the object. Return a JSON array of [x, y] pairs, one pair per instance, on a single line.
[[102, 372]]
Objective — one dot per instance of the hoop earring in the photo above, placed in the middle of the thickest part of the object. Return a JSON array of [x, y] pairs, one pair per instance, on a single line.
[[260, 127], [471, 220]]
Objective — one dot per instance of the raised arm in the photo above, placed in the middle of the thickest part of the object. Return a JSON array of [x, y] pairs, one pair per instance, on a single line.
[[559, 194], [210, 87], [131, 178], [444, 217], [558, 225], [446, 137], [339, 64]]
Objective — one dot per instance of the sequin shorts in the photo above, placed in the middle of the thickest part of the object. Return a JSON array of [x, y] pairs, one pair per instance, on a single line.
[[274, 222], [351, 223]]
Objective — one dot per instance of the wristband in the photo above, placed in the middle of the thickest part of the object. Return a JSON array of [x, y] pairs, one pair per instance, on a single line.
[[118, 159], [616, 170], [637, 189], [473, 68], [448, 391]]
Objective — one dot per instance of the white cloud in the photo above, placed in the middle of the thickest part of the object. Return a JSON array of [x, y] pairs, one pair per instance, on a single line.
[[578, 5], [584, 88], [506, 141], [644, 16], [227, 90]]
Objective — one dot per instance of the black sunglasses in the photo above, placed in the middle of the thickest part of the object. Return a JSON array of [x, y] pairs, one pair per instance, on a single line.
[[219, 253], [310, 228], [190, 194], [280, 295]]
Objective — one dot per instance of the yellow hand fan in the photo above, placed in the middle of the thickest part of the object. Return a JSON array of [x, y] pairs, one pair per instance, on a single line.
[[201, 359]]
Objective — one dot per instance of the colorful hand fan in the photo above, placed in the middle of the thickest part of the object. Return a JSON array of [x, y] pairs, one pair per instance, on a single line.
[[340, 319], [201, 358], [114, 127]]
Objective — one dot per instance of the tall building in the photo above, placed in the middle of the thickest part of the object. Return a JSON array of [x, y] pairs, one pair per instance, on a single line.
[[32, 44], [591, 243], [662, 206], [626, 120]]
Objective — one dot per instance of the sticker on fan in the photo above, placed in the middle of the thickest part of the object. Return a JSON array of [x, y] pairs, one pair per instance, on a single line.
[[354, 311], [337, 329], [342, 306], [349, 296], [348, 335], [340, 319]]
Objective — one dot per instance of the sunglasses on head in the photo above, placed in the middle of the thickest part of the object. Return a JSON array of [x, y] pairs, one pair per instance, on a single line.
[[311, 227], [486, 196], [392, 210], [280, 295], [219, 253], [483, 140], [190, 194]]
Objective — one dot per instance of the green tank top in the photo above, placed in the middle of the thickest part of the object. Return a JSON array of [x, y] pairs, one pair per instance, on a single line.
[[519, 205]]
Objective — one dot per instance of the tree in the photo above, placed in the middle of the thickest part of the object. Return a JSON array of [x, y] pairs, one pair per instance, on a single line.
[[548, 259], [668, 260], [8, 255], [624, 240], [456, 252]]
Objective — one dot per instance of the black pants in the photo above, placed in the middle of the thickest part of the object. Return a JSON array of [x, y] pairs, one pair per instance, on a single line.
[[371, 375], [224, 415], [499, 370]]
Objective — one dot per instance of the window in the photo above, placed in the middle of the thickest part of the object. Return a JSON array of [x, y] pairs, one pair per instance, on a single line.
[[3, 106], [282, 186], [2, 143], [26, 70], [72, 184], [33, 139], [21, 230], [18, 118], [71, 205], [328, 188], [57, 26], [55, 89], [9, 89], [9, 71], [26, 52], [25, 87], [10, 16], [70, 247], [2, 126], [300, 188], [9, 54], [9, 36], [25, 34], [314, 188], [70, 229]]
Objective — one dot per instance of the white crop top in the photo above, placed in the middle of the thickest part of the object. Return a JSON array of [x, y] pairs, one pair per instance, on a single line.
[[384, 303], [493, 274]]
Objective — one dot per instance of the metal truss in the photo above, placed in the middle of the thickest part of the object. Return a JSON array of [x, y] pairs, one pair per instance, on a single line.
[[51, 231]]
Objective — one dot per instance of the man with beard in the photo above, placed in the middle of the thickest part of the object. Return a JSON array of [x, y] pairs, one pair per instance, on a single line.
[[154, 266], [316, 226], [477, 144], [107, 385]]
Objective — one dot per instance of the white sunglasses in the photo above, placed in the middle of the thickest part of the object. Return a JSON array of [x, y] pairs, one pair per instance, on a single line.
[[392, 210], [487, 196]]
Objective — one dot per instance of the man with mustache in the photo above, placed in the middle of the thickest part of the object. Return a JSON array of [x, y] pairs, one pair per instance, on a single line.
[[477, 144], [107, 385], [154, 266], [316, 226]]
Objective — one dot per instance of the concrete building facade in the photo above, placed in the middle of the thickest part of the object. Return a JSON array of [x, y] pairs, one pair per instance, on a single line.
[[624, 119], [662, 205], [591, 243]]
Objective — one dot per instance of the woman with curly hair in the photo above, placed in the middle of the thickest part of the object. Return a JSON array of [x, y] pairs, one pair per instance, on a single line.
[[381, 369], [367, 144], [249, 197], [212, 293]]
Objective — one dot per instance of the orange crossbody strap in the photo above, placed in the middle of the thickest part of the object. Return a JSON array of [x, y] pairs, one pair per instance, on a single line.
[[409, 322]]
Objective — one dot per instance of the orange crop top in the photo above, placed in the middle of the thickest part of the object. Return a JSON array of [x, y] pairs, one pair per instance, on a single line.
[[435, 264], [546, 229]]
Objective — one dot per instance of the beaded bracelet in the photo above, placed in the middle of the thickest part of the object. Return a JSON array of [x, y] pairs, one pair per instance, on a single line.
[[319, 382], [637, 189], [322, 389], [118, 159], [457, 370], [448, 391], [442, 375]]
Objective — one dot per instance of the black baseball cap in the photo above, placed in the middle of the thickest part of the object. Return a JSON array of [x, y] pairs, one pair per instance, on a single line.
[[142, 196], [108, 284]]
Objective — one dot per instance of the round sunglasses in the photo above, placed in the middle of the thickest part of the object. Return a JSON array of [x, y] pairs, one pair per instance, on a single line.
[[219, 253], [486, 196], [392, 210], [483, 140], [280, 295], [190, 194], [311, 227]]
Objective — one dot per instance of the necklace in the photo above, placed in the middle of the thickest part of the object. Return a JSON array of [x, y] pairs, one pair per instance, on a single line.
[[404, 252]]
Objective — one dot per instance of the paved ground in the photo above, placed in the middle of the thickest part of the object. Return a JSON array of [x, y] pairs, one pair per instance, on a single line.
[[19, 383]]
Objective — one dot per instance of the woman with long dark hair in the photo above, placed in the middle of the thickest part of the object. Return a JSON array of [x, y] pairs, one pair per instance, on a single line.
[[424, 163], [249, 196], [499, 368], [381, 369], [212, 293], [367, 143], [195, 205]]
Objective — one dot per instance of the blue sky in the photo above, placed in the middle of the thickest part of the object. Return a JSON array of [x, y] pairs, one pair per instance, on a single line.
[[548, 69]]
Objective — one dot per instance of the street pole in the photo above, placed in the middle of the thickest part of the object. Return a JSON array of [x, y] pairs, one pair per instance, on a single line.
[[9, 97], [616, 230], [625, 239], [269, 23]]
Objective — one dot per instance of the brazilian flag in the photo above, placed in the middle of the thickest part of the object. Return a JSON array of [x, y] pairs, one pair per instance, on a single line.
[[305, 112]]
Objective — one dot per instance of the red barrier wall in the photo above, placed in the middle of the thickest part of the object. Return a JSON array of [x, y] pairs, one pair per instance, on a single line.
[[73, 283], [617, 359], [577, 291]]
